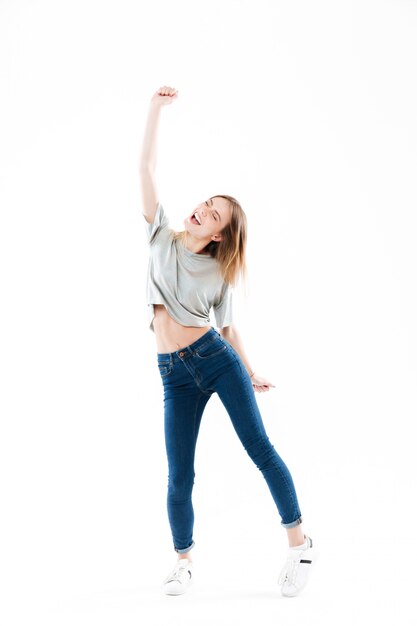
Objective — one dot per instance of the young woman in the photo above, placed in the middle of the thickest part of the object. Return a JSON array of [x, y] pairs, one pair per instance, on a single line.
[[189, 273]]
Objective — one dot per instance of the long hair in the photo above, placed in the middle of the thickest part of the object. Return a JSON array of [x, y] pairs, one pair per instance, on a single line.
[[230, 252]]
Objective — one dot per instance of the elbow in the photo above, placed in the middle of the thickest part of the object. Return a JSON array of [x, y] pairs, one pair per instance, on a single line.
[[146, 170], [147, 166], [227, 332]]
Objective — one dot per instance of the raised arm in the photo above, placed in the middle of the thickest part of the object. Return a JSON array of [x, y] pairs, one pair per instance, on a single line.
[[147, 164]]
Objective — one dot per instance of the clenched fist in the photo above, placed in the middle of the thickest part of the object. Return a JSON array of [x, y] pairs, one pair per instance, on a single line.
[[164, 95]]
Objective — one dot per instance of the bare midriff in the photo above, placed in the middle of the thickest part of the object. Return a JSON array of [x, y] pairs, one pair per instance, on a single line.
[[172, 336]]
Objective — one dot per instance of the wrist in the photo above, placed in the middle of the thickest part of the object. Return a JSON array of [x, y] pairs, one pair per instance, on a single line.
[[155, 106], [251, 373]]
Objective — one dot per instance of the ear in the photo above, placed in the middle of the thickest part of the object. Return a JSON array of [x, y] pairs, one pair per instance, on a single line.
[[217, 237]]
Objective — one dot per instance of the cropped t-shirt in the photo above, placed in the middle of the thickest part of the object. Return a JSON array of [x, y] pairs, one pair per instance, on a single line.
[[188, 284]]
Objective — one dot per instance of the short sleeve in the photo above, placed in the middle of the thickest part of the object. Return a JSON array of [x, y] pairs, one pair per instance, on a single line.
[[159, 224], [223, 310]]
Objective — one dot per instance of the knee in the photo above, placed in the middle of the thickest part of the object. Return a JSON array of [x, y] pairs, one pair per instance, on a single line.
[[262, 452], [180, 487]]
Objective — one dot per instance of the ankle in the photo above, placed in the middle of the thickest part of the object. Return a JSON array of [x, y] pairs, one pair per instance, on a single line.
[[295, 543]]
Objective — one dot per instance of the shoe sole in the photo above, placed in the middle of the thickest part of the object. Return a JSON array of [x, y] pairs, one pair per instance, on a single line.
[[176, 593]]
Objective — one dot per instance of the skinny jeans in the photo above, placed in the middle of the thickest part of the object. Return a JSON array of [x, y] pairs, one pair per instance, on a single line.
[[190, 376]]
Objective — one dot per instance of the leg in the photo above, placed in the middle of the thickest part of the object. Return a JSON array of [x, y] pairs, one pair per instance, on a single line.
[[182, 417], [235, 390], [295, 536]]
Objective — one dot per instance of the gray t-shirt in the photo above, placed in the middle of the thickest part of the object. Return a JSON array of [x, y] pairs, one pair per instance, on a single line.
[[188, 284]]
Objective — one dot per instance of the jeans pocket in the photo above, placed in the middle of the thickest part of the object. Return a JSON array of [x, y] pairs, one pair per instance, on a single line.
[[210, 349], [165, 368]]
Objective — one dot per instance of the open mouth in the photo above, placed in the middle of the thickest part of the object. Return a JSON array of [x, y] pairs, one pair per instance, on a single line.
[[195, 219]]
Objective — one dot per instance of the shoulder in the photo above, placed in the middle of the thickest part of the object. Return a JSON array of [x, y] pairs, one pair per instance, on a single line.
[[159, 229]]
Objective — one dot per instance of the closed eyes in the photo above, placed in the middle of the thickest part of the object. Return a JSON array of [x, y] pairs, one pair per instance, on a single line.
[[214, 213]]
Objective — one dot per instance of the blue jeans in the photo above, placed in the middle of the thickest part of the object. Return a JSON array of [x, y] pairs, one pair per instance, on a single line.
[[190, 376]]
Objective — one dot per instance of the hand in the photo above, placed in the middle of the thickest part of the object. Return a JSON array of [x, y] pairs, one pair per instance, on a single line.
[[260, 384], [164, 95]]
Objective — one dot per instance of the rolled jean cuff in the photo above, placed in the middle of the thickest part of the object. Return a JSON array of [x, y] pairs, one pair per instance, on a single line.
[[293, 524], [183, 550]]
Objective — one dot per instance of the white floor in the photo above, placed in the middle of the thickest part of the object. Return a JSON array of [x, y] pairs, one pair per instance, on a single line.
[[355, 583]]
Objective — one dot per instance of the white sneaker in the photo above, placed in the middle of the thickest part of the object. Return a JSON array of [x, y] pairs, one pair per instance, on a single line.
[[179, 579], [295, 573]]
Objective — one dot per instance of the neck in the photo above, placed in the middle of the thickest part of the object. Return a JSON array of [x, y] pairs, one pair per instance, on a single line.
[[195, 245]]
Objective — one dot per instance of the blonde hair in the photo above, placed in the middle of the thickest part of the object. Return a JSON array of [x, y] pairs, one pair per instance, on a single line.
[[230, 252]]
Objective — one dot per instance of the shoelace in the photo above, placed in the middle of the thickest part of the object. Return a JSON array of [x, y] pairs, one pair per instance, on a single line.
[[289, 571], [177, 573]]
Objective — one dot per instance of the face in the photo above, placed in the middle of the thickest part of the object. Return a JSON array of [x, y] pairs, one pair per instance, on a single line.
[[208, 219]]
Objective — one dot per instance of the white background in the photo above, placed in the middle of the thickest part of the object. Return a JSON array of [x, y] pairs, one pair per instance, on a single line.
[[305, 112]]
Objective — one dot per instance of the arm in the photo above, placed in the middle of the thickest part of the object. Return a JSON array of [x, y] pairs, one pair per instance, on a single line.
[[231, 335], [164, 95]]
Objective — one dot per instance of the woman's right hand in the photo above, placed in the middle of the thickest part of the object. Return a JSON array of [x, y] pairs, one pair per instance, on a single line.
[[164, 95]]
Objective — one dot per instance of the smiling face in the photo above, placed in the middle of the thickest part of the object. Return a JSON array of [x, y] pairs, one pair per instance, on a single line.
[[208, 219]]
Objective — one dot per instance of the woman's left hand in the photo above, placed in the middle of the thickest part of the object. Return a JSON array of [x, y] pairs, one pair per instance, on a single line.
[[260, 384]]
